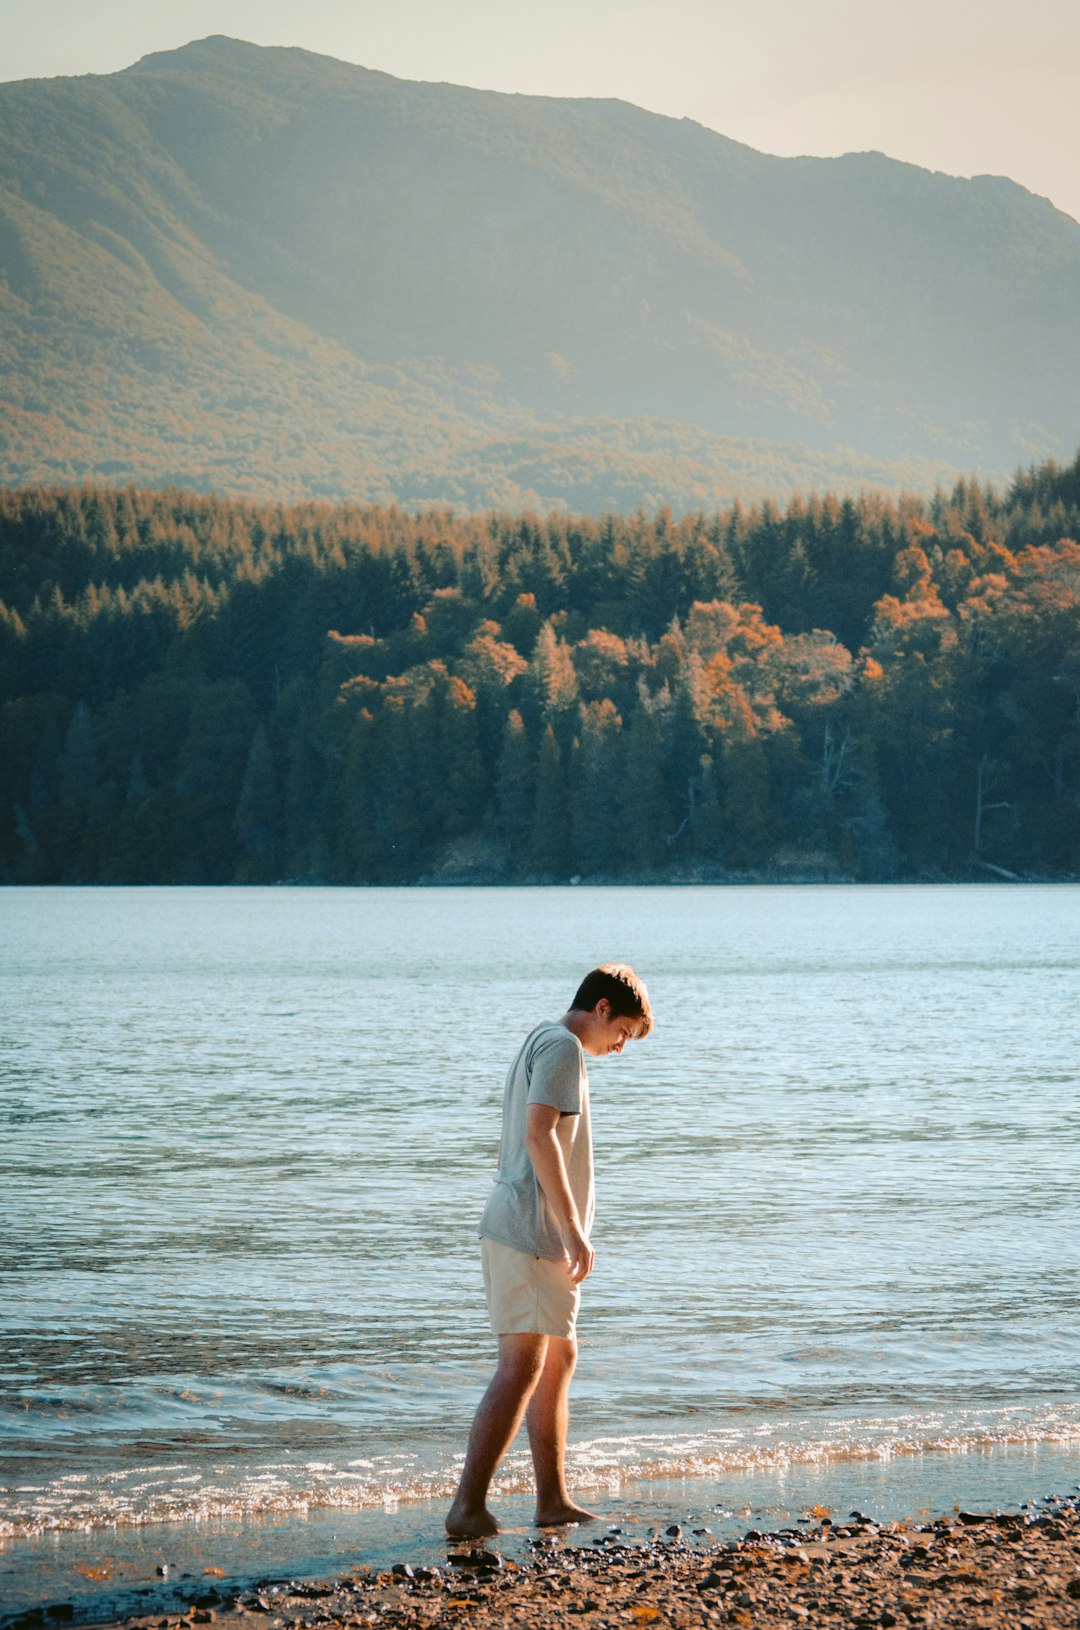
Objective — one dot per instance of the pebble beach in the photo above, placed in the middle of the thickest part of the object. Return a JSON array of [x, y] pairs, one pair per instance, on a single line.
[[997, 1569]]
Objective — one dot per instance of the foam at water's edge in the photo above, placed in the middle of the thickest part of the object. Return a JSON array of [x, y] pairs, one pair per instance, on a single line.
[[169, 1494]]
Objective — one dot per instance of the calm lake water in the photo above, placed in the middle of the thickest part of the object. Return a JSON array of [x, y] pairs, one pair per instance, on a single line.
[[247, 1134]]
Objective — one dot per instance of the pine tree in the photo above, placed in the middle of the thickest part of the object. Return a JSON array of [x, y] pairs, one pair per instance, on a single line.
[[747, 823], [706, 817], [257, 820], [549, 848], [644, 813], [596, 758], [515, 791], [552, 676]]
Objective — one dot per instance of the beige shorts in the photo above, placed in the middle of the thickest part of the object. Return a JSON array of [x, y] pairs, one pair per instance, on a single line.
[[528, 1294]]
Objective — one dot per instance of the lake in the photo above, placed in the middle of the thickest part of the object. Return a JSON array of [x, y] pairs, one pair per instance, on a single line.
[[247, 1135]]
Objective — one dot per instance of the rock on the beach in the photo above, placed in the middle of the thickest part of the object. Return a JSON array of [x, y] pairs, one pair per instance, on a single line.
[[994, 1572]]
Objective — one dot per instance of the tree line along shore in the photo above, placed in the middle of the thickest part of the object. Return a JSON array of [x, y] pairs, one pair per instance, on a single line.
[[203, 690]]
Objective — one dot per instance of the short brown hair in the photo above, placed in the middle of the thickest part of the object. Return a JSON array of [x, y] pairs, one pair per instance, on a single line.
[[620, 986]]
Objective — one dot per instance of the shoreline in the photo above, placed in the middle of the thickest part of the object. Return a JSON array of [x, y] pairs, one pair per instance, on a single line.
[[151, 1577], [777, 878], [983, 1569]]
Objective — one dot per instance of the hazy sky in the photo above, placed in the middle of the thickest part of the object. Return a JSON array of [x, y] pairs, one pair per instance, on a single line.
[[967, 86]]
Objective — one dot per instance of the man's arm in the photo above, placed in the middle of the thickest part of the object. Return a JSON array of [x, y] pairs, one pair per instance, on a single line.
[[542, 1145]]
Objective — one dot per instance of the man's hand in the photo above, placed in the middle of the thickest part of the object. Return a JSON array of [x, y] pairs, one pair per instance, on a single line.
[[542, 1143], [581, 1257]]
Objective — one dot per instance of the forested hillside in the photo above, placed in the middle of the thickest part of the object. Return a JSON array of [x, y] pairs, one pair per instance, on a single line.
[[198, 690], [267, 273]]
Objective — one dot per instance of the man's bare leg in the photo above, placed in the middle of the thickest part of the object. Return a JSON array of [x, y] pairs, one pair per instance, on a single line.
[[548, 1421], [521, 1362]]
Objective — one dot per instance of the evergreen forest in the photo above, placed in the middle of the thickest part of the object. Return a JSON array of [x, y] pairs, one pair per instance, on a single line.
[[196, 689]]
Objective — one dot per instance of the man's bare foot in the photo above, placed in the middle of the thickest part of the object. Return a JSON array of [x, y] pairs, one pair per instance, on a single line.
[[463, 1523], [557, 1515]]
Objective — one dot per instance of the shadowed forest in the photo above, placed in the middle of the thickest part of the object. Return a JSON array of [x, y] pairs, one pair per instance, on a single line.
[[202, 690]]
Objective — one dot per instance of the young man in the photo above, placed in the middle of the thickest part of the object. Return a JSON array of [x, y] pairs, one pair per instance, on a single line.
[[534, 1239]]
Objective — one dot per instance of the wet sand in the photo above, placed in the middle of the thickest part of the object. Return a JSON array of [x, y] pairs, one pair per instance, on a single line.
[[999, 1569]]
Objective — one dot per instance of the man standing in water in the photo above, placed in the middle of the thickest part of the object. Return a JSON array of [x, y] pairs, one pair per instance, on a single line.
[[534, 1239]]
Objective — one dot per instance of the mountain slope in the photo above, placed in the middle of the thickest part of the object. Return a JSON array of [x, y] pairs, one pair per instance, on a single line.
[[262, 270]]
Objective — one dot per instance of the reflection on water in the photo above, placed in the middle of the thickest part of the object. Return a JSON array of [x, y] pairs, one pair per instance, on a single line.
[[247, 1135]]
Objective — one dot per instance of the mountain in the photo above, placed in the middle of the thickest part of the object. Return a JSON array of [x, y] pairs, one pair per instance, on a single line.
[[263, 271]]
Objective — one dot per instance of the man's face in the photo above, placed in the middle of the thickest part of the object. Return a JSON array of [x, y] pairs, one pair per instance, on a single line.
[[608, 1032]]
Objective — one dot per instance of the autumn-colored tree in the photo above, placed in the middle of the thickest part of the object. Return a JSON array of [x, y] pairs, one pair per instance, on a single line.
[[552, 677]]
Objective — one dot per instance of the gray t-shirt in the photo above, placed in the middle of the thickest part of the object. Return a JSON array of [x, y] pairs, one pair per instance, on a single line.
[[549, 1069]]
